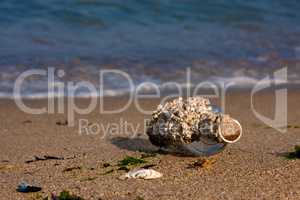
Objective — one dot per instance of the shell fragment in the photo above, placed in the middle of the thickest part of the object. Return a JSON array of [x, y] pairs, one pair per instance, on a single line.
[[142, 174]]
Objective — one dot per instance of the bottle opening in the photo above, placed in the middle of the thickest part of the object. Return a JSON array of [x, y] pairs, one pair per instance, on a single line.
[[230, 130]]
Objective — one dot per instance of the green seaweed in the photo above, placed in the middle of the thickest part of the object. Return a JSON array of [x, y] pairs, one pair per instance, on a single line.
[[148, 155], [65, 195], [130, 161], [37, 196], [295, 154]]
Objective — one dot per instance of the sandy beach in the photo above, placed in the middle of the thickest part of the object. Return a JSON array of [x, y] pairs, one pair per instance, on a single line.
[[85, 164]]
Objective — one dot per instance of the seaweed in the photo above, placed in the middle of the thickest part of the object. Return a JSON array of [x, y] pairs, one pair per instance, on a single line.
[[65, 195], [202, 163], [27, 122], [44, 158], [130, 161], [148, 166], [37, 196], [106, 165], [62, 123], [8, 167], [289, 126], [148, 155], [126, 169], [72, 168], [294, 154], [139, 198]]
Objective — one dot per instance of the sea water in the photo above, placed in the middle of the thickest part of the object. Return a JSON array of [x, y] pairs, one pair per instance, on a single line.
[[156, 41]]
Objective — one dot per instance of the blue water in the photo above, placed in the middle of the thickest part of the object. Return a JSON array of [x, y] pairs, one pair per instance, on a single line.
[[150, 39]]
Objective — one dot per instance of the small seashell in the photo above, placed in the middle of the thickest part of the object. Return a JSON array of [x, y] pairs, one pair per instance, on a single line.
[[142, 174]]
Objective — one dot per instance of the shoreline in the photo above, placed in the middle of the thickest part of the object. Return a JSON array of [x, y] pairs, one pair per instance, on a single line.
[[231, 90]]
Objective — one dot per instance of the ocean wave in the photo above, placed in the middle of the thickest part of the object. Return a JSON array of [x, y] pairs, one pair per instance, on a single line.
[[232, 83]]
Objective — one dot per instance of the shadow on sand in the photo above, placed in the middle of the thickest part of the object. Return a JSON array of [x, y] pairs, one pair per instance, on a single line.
[[144, 145], [134, 144]]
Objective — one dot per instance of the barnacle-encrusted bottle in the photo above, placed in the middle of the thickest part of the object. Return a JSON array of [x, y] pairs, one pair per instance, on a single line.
[[192, 126]]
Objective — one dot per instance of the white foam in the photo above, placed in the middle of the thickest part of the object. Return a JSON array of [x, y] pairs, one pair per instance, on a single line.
[[240, 82]]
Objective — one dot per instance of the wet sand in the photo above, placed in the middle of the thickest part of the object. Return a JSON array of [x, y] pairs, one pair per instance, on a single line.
[[252, 168]]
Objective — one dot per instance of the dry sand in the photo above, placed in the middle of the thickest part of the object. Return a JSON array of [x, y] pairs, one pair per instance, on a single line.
[[249, 169]]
